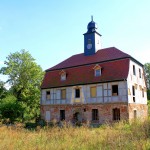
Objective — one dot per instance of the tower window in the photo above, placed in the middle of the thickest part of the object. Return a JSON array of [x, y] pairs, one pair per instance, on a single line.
[[77, 93], [114, 90], [89, 41]]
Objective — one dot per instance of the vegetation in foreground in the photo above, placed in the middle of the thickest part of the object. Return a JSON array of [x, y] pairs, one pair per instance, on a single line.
[[120, 135]]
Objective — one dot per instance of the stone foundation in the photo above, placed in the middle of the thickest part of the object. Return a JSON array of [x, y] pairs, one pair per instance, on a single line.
[[139, 111], [105, 112]]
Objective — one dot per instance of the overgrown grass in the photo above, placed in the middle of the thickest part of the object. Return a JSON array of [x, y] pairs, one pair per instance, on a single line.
[[118, 136]]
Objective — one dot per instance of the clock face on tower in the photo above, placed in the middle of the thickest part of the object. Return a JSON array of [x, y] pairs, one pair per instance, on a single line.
[[89, 46]]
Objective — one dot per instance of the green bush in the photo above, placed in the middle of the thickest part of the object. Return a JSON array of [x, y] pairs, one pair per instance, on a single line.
[[10, 109]]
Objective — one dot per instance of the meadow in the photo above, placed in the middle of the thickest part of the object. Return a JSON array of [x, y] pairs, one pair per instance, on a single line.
[[118, 136]]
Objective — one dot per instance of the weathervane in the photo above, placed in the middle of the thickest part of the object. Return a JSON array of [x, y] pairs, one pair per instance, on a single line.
[[91, 18]]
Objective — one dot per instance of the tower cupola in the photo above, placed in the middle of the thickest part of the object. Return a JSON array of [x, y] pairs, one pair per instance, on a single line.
[[91, 39], [92, 26]]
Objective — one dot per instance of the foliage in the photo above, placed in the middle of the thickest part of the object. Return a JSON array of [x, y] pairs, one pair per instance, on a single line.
[[122, 135], [10, 109], [25, 77], [3, 91], [147, 73]]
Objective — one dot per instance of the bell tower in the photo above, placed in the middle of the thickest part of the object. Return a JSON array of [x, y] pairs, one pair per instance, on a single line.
[[92, 41]]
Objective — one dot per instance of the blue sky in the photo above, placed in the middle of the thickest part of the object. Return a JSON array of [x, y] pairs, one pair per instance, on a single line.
[[53, 30]]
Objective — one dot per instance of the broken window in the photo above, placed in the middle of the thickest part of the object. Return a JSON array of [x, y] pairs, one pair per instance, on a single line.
[[48, 95], [133, 93], [77, 93], [114, 90]]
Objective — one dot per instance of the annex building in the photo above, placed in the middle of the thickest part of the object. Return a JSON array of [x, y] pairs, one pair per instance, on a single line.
[[98, 85]]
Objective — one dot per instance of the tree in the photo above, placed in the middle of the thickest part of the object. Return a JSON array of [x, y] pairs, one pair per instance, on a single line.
[[25, 77], [147, 75], [3, 90]]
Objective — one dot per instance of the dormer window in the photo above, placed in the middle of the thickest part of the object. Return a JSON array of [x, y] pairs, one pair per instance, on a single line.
[[62, 75], [97, 70]]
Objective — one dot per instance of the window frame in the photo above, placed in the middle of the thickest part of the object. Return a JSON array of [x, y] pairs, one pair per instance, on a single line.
[[97, 72], [115, 92], [77, 93]]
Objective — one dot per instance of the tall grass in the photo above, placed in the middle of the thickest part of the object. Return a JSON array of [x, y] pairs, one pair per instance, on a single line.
[[118, 136]]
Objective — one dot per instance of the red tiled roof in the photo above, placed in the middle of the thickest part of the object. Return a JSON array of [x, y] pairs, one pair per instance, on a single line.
[[102, 55], [111, 71]]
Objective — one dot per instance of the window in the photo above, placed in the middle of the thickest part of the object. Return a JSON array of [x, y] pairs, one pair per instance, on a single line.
[[63, 93], [133, 93], [93, 92], [77, 93], [89, 41], [134, 73], [48, 95], [142, 92], [140, 73], [116, 114], [63, 77], [114, 90], [135, 114], [94, 114], [97, 72], [62, 115]]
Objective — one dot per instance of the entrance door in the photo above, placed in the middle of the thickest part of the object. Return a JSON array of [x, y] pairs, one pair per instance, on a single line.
[[77, 117]]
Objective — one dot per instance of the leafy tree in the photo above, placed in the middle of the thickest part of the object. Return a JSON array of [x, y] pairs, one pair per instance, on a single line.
[[10, 108], [147, 75], [3, 90], [25, 77]]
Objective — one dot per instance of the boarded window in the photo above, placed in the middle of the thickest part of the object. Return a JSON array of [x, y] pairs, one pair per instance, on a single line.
[[77, 93], [48, 95], [134, 73], [94, 114], [114, 90], [62, 115], [63, 94], [93, 92], [116, 114]]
